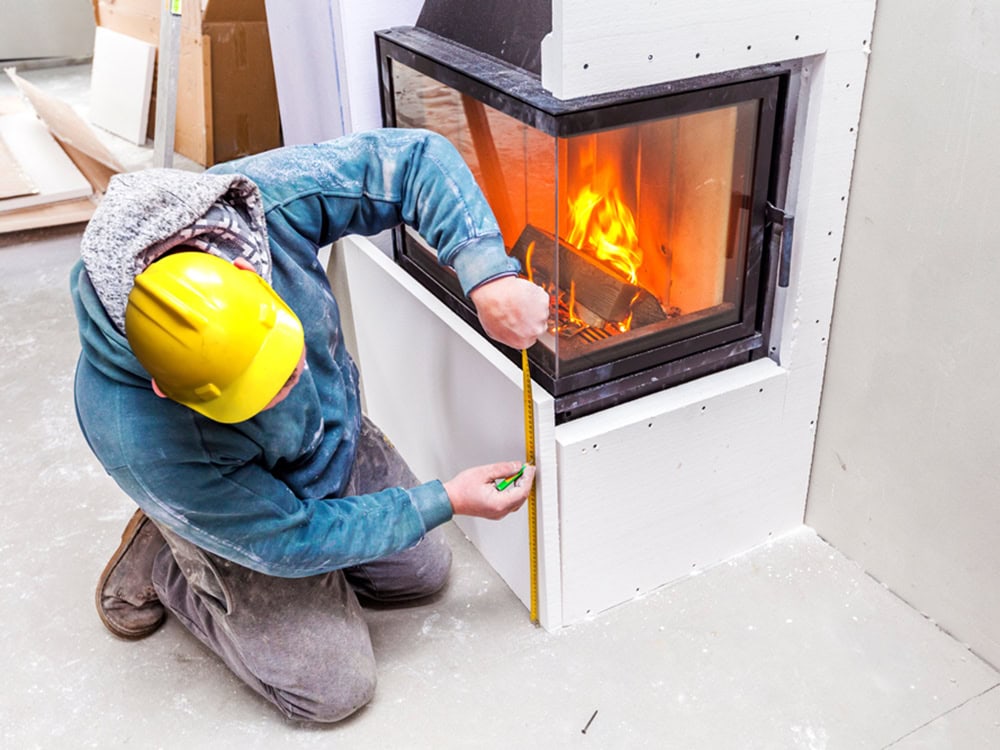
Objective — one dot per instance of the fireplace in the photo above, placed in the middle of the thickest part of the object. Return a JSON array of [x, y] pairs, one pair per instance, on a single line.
[[632, 493], [647, 214]]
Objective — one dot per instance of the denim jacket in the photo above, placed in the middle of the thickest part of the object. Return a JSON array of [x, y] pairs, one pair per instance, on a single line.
[[267, 493]]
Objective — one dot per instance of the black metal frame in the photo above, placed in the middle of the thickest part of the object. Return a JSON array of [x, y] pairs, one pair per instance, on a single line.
[[518, 93]]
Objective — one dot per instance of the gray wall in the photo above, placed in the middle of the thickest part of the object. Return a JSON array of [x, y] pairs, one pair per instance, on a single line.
[[905, 471], [46, 28]]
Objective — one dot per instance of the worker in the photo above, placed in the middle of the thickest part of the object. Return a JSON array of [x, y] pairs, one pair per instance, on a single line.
[[215, 388]]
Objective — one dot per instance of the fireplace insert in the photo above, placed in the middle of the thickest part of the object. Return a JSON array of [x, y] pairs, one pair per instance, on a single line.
[[647, 214]]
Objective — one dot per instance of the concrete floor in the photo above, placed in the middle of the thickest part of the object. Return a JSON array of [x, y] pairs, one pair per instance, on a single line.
[[789, 646]]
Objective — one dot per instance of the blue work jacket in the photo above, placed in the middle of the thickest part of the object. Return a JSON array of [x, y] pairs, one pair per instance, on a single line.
[[267, 493]]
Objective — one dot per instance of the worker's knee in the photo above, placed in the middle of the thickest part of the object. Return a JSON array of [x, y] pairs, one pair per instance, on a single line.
[[345, 694], [432, 574], [415, 573]]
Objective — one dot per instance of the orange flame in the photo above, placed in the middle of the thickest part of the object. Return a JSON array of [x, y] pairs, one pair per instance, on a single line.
[[604, 225], [626, 324], [572, 303]]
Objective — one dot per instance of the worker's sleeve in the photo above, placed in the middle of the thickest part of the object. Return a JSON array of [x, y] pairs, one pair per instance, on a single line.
[[251, 518], [197, 479], [369, 182]]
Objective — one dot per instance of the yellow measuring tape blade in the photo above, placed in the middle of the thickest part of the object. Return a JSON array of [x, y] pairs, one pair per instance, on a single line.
[[529, 450]]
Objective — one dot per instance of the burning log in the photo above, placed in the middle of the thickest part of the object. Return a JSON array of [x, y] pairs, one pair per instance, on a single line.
[[599, 297]]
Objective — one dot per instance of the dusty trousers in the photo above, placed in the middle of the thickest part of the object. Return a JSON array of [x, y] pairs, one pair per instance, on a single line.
[[302, 643]]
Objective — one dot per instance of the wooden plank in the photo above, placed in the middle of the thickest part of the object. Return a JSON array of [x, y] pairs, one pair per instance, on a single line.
[[137, 18], [50, 215], [46, 165], [121, 83], [193, 136]]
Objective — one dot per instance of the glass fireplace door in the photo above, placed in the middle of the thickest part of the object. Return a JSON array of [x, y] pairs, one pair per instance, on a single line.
[[637, 218]]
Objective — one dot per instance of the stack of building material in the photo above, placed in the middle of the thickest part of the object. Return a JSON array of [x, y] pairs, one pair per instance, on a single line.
[[227, 101], [52, 165]]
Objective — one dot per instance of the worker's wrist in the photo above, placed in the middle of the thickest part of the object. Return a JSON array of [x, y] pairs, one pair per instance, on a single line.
[[432, 503], [481, 260]]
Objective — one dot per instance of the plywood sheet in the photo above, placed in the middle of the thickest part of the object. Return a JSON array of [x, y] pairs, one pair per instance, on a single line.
[[121, 83], [43, 162], [193, 136]]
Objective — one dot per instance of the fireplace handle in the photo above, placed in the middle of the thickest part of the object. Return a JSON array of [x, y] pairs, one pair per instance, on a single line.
[[782, 229]]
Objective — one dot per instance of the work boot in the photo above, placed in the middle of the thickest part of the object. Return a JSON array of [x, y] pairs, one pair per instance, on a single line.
[[126, 601]]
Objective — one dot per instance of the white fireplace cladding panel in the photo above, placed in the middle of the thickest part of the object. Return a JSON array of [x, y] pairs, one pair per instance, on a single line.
[[642, 204]]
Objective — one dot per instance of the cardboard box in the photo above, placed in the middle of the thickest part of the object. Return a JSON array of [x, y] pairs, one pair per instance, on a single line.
[[84, 149], [227, 101]]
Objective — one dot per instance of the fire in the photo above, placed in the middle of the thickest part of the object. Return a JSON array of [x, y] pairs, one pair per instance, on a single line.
[[600, 225], [574, 318], [626, 324], [604, 225]]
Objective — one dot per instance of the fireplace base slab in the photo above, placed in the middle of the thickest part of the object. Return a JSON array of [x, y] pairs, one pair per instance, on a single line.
[[629, 499], [666, 486]]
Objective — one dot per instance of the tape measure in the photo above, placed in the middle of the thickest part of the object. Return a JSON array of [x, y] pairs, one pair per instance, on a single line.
[[529, 450]]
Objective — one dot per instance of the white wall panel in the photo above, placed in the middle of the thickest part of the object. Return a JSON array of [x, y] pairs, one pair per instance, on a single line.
[[671, 484], [324, 63], [599, 46], [449, 401], [905, 471], [46, 28]]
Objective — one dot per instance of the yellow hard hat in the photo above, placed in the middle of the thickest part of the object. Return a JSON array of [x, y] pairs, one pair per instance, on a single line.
[[215, 337]]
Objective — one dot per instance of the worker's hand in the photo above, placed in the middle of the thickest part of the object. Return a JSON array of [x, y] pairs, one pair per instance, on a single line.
[[474, 491], [513, 310]]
